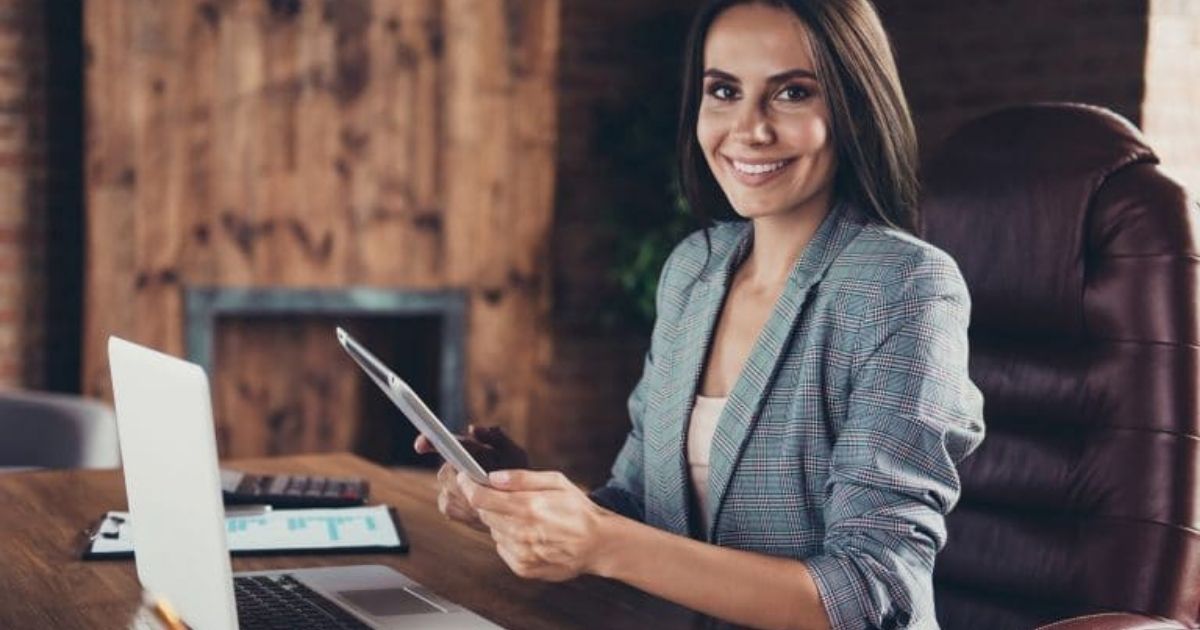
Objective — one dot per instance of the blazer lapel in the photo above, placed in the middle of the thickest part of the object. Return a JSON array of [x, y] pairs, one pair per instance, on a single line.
[[667, 501], [746, 398]]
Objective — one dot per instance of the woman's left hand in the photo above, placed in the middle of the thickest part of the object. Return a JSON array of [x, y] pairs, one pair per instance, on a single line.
[[544, 526]]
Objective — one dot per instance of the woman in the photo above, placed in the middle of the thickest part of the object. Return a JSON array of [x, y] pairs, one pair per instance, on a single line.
[[805, 399]]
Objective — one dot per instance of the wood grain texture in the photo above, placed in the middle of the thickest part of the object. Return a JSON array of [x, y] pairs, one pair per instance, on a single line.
[[404, 144], [45, 585]]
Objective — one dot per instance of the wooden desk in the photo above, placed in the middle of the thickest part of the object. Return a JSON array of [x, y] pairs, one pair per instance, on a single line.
[[43, 584]]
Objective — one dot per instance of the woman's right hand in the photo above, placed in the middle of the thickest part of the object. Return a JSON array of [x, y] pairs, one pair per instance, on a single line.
[[492, 449]]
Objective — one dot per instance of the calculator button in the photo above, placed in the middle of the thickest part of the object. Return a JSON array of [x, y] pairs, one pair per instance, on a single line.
[[277, 485]]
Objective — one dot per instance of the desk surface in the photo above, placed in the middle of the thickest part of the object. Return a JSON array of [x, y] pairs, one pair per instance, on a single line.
[[43, 584]]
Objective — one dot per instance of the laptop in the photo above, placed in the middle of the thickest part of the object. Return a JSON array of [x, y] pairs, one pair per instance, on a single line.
[[173, 484]]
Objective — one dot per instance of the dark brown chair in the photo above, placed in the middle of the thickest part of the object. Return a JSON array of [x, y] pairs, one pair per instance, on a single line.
[[1082, 261]]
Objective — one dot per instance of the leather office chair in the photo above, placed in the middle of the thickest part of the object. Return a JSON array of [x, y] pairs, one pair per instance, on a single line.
[[1082, 261], [44, 430]]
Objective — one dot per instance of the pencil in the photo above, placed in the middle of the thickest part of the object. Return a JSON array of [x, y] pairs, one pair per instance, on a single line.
[[167, 615]]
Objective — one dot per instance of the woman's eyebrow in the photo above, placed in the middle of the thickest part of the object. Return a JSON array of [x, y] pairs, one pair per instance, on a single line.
[[719, 74], [796, 73]]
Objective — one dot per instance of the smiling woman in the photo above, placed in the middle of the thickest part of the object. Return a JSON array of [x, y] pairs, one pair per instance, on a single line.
[[763, 125], [805, 401], [858, 94]]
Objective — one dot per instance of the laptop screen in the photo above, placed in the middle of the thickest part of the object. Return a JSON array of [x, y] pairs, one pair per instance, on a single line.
[[169, 450]]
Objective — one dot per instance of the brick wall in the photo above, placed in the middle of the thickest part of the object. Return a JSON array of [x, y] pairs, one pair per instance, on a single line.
[[22, 188], [1171, 110], [960, 59], [603, 68]]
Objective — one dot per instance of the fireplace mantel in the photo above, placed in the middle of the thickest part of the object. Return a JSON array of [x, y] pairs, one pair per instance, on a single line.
[[204, 305]]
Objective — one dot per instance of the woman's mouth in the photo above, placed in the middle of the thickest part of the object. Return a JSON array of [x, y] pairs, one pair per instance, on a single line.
[[758, 172]]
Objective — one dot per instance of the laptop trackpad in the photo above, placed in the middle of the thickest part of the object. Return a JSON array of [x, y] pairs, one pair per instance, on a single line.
[[385, 602]]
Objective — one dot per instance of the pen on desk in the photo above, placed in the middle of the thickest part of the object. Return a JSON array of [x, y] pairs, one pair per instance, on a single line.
[[247, 510]]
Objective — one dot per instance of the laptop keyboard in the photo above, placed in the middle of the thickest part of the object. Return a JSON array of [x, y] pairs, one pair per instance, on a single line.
[[281, 602]]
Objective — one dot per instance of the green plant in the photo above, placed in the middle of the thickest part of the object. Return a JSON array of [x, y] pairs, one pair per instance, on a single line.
[[640, 254]]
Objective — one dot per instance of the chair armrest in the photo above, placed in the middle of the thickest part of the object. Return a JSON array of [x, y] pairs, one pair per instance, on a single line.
[[1114, 621]]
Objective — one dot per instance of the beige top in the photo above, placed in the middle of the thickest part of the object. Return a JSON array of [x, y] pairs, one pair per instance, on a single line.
[[699, 443]]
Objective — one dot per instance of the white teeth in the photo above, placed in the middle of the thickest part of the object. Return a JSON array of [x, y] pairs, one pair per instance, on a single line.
[[757, 169]]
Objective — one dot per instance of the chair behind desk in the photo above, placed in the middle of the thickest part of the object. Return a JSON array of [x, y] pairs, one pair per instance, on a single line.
[[1081, 259], [44, 430]]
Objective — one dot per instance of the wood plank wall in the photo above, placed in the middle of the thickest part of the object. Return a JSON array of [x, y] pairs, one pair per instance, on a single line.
[[297, 143]]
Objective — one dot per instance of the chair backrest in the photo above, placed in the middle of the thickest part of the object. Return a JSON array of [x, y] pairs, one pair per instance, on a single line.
[[1081, 259], [44, 430]]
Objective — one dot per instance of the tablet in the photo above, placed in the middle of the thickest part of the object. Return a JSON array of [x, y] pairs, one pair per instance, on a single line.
[[414, 409]]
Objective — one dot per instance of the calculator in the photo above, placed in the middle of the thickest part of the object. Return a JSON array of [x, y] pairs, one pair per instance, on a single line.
[[292, 491]]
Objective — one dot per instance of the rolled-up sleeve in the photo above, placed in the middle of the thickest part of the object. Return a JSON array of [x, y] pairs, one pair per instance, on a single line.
[[913, 414]]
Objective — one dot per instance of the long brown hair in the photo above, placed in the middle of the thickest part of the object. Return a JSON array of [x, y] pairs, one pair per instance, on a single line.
[[873, 134]]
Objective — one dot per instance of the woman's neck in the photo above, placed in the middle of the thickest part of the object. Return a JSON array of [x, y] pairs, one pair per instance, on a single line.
[[778, 242]]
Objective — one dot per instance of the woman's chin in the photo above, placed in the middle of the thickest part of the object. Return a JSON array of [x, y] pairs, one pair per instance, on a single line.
[[761, 207], [756, 211]]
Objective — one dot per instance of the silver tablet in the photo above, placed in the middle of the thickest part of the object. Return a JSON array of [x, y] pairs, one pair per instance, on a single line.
[[414, 409]]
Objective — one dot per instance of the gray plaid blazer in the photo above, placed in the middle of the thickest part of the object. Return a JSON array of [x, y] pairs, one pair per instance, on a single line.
[[839, 441]]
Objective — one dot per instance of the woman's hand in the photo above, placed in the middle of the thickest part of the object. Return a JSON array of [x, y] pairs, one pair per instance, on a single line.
[[544, 526], [492, 449]]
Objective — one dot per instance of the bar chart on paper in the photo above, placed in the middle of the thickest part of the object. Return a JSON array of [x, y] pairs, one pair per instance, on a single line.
[[367, 528], [321, 528], [312, 529]]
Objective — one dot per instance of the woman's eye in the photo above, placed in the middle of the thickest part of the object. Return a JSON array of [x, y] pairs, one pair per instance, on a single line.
[[794, 93], [722, 92]]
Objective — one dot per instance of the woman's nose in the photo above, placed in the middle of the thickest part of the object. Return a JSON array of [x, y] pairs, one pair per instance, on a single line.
[[753, 128]]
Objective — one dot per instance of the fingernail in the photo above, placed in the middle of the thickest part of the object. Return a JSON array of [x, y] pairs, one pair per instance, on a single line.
[[500, 477]]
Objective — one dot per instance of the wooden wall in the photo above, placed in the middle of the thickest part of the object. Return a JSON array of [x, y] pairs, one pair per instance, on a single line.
[[297, 143]]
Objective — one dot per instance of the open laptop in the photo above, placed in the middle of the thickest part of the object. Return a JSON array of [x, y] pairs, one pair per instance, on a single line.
[[165, 428]]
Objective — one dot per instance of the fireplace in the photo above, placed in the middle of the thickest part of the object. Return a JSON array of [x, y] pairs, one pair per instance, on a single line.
[[282, 384]]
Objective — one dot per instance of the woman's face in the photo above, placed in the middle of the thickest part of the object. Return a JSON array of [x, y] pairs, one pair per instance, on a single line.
[[763, 122]]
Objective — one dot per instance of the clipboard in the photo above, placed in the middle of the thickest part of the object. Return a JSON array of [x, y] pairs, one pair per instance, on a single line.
[[367, 529]]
